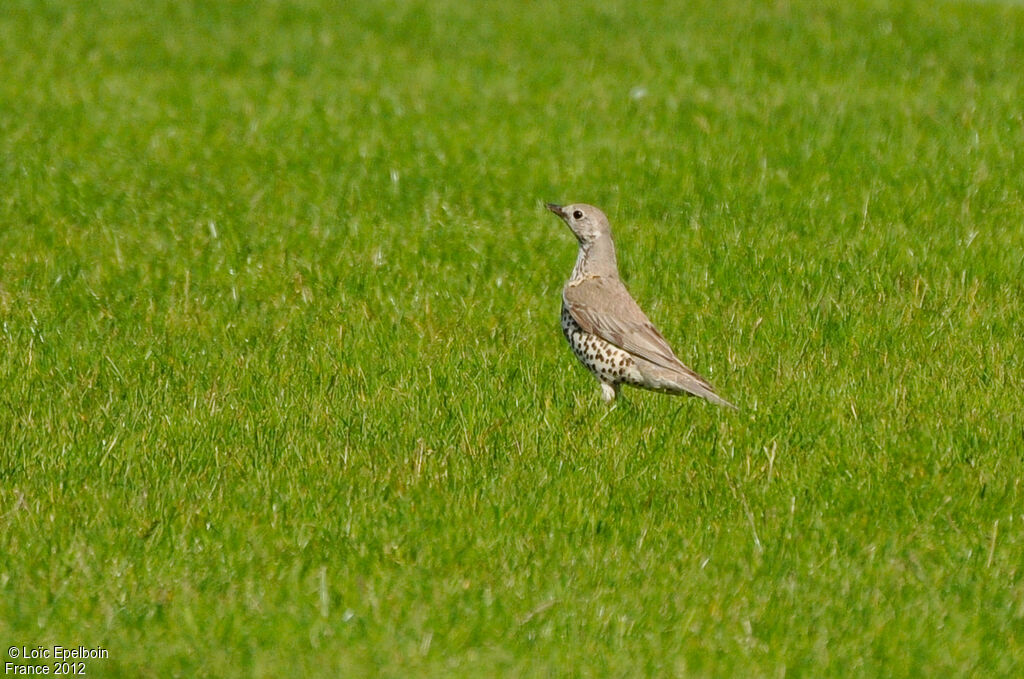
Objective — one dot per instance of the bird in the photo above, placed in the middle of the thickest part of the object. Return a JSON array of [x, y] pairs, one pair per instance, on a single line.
[[605, 327]]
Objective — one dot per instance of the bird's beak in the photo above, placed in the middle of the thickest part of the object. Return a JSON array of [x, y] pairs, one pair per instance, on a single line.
[[557, 209]]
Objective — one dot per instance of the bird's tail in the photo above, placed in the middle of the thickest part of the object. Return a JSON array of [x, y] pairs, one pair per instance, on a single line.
[[683, 381], [717, 400]]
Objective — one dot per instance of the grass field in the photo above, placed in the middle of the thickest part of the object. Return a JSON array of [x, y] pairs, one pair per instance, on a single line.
[[282, 386]]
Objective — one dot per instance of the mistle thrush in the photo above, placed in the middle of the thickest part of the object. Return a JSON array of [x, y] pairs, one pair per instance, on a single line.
[[606, 328]]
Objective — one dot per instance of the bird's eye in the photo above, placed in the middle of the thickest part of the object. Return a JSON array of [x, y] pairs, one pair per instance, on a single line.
[[577, 214]]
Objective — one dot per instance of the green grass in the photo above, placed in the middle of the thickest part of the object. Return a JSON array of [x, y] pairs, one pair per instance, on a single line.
[[283, 392]]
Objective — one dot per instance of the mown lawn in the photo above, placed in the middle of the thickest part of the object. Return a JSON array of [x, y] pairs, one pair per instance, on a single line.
[[283, 391]]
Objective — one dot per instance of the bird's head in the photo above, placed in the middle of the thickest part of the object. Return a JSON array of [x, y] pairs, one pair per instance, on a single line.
[[586, 221]]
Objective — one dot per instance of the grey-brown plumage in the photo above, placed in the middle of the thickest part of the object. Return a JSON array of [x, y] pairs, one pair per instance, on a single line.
[[604, 325]]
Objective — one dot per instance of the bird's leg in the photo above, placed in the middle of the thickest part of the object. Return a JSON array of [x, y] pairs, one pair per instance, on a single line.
[[609, 392]]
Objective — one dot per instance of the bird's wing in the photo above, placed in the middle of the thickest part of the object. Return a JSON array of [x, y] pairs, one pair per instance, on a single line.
[[603, 307]]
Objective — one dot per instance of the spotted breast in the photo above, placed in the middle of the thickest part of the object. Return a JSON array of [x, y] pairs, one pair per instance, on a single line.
[[609, 364]]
